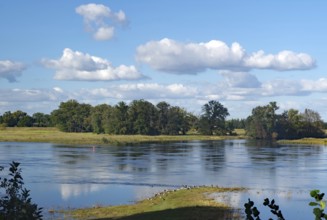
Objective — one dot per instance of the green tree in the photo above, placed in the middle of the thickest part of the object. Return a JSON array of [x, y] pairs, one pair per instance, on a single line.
[[262, 123], [17, 118], [25, 121], [163, 110], [237, 123], [177, 121], [312, 125], [212, 120], [192, 122], [99, 117], [118, 122], [143, 117], [72, 117], [22, 119], [9, 119], [41, 120]]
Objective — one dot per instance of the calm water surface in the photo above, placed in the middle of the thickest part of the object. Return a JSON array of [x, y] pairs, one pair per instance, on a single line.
[[61, 176]]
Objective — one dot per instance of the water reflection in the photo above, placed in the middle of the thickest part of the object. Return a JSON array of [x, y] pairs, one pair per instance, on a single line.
[[80, 176], [213, 156], [70, 190]]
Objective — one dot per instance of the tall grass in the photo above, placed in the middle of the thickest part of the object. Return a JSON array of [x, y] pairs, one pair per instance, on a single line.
[[53, 135]]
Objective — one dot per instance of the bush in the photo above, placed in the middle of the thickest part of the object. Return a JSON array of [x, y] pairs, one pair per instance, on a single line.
[[15, 201], [252, 213]]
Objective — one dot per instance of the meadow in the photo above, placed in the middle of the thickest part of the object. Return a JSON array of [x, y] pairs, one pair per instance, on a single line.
[[53, 135]]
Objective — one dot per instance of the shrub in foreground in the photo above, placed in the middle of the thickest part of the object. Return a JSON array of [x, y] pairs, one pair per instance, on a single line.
[[15, 201], [252, 213]]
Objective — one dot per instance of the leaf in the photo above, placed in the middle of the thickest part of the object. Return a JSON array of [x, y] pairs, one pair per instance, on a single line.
[[276, 207], [266, 202], [16, 164], [248, 212], [272, 202], [314, 193], [323, 204], [273, 212], [256, 212], [317, 212], [313, 204]]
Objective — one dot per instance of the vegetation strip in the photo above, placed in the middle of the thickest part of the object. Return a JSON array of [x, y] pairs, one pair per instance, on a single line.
[[307, 141], [53, 135], [185, 203], [141, 117]]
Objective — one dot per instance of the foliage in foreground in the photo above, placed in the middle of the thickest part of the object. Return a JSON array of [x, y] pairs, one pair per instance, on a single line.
[[15, 201], [252, 213]]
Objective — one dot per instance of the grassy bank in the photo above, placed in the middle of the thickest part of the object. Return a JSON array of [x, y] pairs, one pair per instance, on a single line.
[[309, 141], [182, 204], [53, 135]]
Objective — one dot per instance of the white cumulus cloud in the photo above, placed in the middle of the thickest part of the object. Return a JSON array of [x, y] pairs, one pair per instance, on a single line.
[[284, 60], [168, 55], [100, 20], [75, 65], [10, 70], [104, 33]]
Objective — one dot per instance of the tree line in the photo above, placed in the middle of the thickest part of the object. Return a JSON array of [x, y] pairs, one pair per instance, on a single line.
[[265, 123], [143, 117], [138, 117]]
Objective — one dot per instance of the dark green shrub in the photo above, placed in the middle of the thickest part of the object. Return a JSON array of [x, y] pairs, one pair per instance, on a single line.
[[15, 201], [252, 213], [319, 204]]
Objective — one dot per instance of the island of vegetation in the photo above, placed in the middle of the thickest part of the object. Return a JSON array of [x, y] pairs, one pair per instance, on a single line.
[[183, 204]]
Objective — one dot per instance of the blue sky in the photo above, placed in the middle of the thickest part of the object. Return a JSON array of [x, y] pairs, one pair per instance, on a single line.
[[240, 53]]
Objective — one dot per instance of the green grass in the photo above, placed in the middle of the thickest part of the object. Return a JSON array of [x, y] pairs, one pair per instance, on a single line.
[[53, 135], [183, 204], [308, 141]]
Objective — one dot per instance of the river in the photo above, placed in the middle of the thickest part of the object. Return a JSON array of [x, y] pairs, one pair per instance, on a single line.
[[61, 176]]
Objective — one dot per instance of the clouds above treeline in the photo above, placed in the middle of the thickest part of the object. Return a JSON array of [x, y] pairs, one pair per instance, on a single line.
[[10, 70], [230, 71], [100, 20], [174, 91], [32, 95], [75, 65], [171, 56]]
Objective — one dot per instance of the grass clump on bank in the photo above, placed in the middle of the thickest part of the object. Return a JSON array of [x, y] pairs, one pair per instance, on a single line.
[[307, 141], [182, 204], [53, 135]]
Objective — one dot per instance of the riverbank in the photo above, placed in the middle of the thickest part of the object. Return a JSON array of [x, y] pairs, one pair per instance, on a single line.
[[183, 204], [53, 135], [308, 141]]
